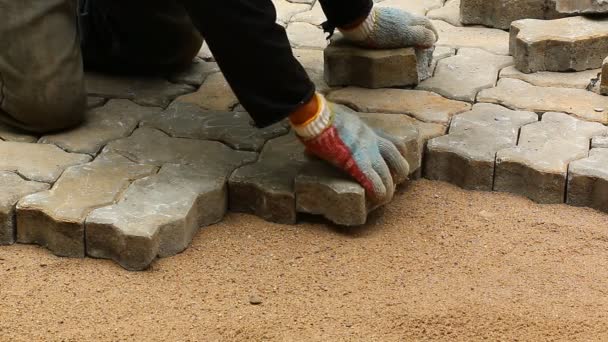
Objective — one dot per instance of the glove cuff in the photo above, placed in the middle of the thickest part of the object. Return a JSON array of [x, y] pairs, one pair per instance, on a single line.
[[318, 123], [362, 32]]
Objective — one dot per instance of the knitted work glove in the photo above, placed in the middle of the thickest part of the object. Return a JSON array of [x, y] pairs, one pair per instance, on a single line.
[[390, 28], [338, 136]]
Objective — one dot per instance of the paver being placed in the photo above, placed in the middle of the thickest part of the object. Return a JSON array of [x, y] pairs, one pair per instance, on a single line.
[[466, 156], [501, 13], [537, 168], [422, 105], [214, 94], [462, 76], [13, 189], [580, 79], [568, 44], [489, 39], [588, 181], [55, 218], [521, 95], [581, 6], [115, 120], [236, 129], [37, 162], [348, 65], [159, 215]]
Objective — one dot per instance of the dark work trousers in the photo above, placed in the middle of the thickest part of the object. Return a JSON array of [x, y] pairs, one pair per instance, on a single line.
[[252, 50]]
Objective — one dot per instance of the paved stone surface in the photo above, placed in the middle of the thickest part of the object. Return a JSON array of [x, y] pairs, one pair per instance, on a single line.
[[599, 142], [214, 94], [537, 168], [13, 189], [462, 76], [492, 40], [236, 129], [348, 65], [466, 156], [580, 80], [568, 44], [8, 133], [196, 74], [588, 181], [449, 13], [286, 10], [501, 13], [581, 6], [117, 119], [306, 36], [520, 95], [55, 218]]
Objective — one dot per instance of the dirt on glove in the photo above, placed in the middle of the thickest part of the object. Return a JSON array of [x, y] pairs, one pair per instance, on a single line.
[[439, 263]]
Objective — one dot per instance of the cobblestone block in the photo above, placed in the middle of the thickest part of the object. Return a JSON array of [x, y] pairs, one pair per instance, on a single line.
[[581, 6], [55, 218], [489, 39], [37, 162], [537, 168], [422, 105], [236, 129], [501, 13], [568, 44], [214, 94], [521, 95], [588, 181], [466, 156], [348, 65], [13, 189], [579, 80], [115, 120], [462, 76]]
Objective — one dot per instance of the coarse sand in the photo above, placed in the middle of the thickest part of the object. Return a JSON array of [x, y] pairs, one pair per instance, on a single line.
[[439, 263]]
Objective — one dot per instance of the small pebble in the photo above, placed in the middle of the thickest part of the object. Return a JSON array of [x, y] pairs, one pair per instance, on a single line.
[[255, 300], [599, 110]]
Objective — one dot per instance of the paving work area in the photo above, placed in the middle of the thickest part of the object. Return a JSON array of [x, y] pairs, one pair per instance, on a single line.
[[512, 108]]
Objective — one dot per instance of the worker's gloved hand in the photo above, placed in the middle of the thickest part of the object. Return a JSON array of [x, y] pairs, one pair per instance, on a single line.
[[389, 28], [338, 136]]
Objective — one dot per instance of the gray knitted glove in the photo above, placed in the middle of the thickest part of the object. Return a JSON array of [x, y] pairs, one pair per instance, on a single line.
[[389, 28]]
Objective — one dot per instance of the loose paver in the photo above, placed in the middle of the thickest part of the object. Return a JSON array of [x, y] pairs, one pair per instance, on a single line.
[[462, 76], [568, 44], [501, 13], [489, 39], [55, 218], [466, 156], [115, 120], [582, 6], [214, 94], [537, 167], [580, 79], [422, 105], [13, 189], [348, 65], [37, 162], [236, 129], [521, 95], [588, 181]]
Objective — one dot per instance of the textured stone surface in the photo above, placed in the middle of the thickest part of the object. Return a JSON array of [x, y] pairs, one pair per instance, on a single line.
[[492, 40], [466, 156], [115, 120], [236, 129], [462, 76], [501, 13], [9, 133], [348, 65], [55, 218], [568, 44], [581, 6], [286, 10], [520, 95], [449, 13], [537, 168], [214, 94], [580, 80], [306, 36], [159, 215], [37, 162], [13, 189], [599, 142], [422, 105], [604, 78], [143, 91], [588, 181], [196, 73]]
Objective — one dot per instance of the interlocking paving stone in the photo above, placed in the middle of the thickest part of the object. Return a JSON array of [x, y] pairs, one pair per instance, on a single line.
[[9, 133], [501, 13], [462, 76], [286, 10], [599, 142], [588, 181], [55, 218], [146, 91], [115, 120], [196, 73], [214, 94], [580, 79], [314, 17], [568, 44], [489, 39], [236, 129], [422, 105], [37, 162], [348, 65], [158, 215], [581, 6], [306, 36], [520, 95], [449, 13], [13, 189], [466, 156], [537, 168]]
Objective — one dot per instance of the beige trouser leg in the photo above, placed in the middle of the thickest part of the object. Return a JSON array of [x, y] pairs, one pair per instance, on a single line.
[[41, 74]]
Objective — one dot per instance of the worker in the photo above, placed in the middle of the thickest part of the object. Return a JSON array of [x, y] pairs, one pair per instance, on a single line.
[[46, 44]]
